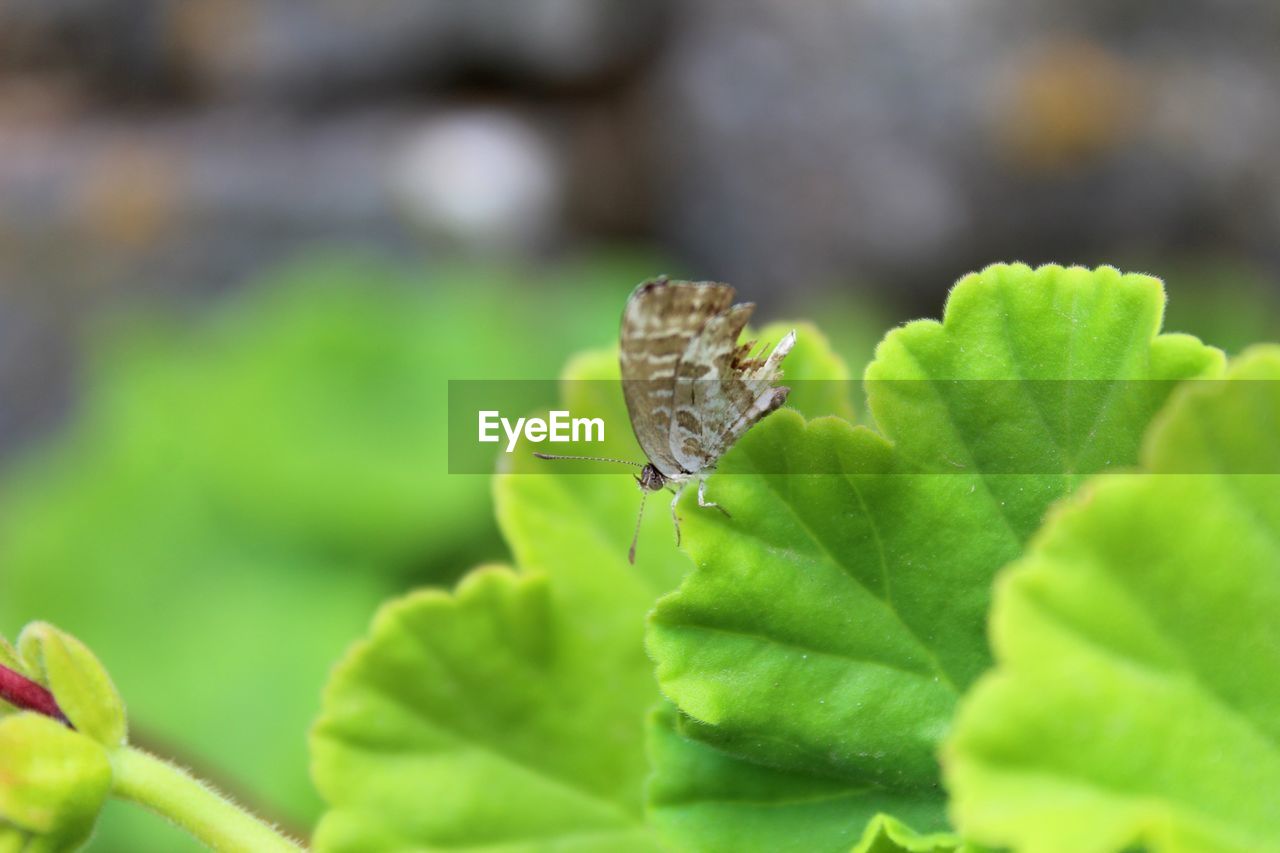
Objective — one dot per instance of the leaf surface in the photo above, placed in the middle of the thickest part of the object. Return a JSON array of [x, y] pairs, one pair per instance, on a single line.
[[832, 623], [510, 715], [1137, 694], [447, 727], [708, 799]]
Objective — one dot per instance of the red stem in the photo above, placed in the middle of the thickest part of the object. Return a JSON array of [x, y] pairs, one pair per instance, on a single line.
[[22, 692]]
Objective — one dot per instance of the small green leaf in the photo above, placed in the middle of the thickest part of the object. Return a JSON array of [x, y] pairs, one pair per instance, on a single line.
[[78, 681], [53, 783], [832, 623], [453, 724], [1137, 694], [887, 835]]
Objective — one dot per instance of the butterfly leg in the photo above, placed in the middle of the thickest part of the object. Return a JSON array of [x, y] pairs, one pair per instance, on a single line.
[[703, 502], [675, 517]]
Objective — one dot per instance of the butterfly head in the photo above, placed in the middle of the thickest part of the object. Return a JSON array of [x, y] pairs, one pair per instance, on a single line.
[[651, 479]]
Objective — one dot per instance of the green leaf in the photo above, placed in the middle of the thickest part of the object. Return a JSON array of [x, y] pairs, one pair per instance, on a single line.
[[1137, 694], [78, 681], [887, 835], [53, 783], [513, 712], [832, 623], [448, 726]]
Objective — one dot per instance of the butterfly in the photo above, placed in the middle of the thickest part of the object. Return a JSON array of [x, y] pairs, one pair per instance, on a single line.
[[691, 389]]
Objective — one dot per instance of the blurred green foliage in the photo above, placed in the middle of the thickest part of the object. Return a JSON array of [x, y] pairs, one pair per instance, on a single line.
[[1135, 701], [1223, 302], [234, 497]]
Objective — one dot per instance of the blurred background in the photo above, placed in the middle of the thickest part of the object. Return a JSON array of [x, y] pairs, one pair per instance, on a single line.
[[244, 245]]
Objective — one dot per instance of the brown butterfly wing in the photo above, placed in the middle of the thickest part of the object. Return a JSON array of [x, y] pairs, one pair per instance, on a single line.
[[661, 320], [721, 390]]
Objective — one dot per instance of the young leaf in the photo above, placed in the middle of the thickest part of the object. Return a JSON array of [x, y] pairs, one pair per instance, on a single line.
[[831, 624], [1136, 699], [78, 681]]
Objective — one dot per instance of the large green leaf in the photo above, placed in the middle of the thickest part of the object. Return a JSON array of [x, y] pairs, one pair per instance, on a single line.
[[832, 623], [1137, 694], [512, 714]]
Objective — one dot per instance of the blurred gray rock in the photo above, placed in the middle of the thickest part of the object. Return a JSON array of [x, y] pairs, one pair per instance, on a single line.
[[99, 211], [178, 146], [118, 47], [281, 50], [813, 142]]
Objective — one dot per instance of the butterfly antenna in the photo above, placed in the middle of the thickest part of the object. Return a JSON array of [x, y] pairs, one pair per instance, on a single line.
[[635, 537], [589, 459]]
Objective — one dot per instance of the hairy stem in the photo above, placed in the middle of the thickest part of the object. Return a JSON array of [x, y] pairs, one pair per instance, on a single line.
[[173, 793]]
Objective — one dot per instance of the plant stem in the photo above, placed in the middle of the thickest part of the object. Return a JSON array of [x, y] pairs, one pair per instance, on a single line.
[[175, 794], [22, 692]]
